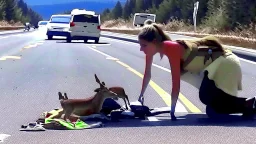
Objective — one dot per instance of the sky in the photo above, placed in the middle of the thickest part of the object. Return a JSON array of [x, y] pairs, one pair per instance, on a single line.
[[43, 2]]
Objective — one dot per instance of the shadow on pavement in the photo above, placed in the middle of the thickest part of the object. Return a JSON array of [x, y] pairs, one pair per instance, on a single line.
[[100, 43], [186, 120], [55, 39]]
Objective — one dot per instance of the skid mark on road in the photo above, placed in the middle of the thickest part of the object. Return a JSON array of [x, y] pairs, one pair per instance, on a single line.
[[164, 95]]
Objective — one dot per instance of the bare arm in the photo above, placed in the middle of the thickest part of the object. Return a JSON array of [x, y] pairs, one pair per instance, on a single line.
[[175, 67], [147, 74], [174, 59]]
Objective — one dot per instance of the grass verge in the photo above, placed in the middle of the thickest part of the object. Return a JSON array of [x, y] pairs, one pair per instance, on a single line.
[[245, 37], [4, 26]]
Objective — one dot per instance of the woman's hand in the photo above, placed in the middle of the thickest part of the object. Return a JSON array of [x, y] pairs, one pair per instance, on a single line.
[[146, 77], [141, 99], [173, 105]]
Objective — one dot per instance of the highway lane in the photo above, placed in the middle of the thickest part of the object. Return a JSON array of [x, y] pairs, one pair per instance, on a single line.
[[12, 43], [12, 32], [248, 68], [29, 86], [161, 70]]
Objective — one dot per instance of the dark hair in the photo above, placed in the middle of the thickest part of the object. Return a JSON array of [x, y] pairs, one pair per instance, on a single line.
[[148, 22], [152, 31]]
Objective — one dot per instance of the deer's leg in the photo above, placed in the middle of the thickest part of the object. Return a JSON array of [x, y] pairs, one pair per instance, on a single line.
[[128, 100], [125, 104], [67, 113]]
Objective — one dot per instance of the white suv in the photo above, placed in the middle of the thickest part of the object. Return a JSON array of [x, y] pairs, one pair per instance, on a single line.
[[84, 25], [58, 26]]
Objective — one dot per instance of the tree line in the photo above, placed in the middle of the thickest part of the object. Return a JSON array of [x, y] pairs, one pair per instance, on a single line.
[[17, 11], [220, 14]]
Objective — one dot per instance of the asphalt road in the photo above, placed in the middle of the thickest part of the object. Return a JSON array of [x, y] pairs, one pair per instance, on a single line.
[[33, 70]]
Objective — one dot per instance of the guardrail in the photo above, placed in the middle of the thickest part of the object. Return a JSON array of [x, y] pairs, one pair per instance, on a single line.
[[241, 52]]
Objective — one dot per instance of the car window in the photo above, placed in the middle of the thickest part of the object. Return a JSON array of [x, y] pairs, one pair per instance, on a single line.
[[86, 18], [142, 16], [60, 19], [42, 23]]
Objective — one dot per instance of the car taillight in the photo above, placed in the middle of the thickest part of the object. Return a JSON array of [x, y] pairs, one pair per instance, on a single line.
[[72, 24], [98, 27]]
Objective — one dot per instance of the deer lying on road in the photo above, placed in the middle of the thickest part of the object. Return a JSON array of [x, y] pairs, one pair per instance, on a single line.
[[91, 105]]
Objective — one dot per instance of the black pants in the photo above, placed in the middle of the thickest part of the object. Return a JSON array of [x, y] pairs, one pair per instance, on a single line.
[[218, 100]]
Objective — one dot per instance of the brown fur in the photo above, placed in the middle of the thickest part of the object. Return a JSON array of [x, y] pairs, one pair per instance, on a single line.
[[205, 41], [121, 93], [91, 105]]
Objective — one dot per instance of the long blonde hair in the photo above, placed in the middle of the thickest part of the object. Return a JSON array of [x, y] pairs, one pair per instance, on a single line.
[[151, 31]]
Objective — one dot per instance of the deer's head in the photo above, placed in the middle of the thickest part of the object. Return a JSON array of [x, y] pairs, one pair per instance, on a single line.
[[104, 89]]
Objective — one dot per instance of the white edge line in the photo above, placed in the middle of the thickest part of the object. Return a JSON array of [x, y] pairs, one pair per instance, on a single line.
[[241, 48], [152, 118], [163, 68], [4, 37], [122, 41], [3, 137], [179, 104], [127, 42], [190, 37], [108, 56], [245, 60], [155, 65]]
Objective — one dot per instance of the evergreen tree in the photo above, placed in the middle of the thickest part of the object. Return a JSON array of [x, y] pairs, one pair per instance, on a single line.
[[219, 14], [139, 6], [117, 11], [127, 10], [2, 9], [10, 12]]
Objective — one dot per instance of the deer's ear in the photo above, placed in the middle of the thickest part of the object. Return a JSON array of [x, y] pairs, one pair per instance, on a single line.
[[65, 96], [97, 90], [60, 95]]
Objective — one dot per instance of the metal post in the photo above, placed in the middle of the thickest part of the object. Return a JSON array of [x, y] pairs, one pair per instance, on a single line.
[[195, 13]]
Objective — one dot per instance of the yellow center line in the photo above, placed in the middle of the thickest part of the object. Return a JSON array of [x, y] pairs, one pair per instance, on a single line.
[[164, 95], [10, 57], [34, 45]]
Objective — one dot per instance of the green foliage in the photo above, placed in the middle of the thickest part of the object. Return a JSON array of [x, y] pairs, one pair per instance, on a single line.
[[107, 15], [2, 10], [10, 7], [17, 11], [126, 10], [117, 11], [217, 14]]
